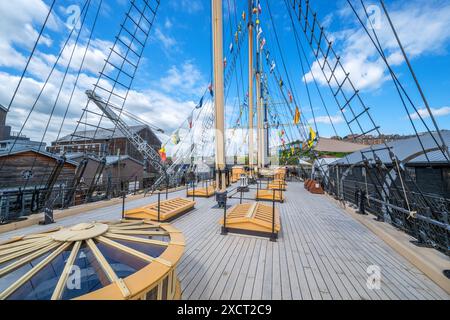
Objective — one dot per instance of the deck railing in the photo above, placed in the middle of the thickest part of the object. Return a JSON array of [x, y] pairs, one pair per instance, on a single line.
[[425, 217]]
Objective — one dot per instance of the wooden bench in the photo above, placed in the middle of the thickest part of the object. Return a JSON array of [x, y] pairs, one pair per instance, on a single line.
[[277, 185], [268, 195], [205, 192], [252, 218], [169, 209]]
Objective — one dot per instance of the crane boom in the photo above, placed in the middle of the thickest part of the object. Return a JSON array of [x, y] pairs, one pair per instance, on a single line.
[[141, 145]]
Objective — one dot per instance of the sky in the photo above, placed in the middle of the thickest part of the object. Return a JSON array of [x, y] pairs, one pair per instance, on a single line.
[[176, 67]]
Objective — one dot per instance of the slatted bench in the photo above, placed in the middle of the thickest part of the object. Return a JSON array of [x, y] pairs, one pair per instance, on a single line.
[[252, 218], [268, 195], [205, 192], [169, 209], [277, 185]]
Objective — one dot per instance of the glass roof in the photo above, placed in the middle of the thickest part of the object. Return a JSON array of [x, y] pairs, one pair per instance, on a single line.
[[69, 263]]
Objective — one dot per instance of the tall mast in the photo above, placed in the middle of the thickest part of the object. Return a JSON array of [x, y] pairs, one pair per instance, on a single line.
[[259, 99], [219, 93], [250, 86]]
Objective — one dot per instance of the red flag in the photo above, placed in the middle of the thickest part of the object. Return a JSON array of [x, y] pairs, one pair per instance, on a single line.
[[163, 154]]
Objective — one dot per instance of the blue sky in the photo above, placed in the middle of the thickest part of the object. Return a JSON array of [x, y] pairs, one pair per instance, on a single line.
[[177, 63]]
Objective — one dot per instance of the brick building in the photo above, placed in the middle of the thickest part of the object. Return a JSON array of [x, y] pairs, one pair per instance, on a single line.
[[103, 142]]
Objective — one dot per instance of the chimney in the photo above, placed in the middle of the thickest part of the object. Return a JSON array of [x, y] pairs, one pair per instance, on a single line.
[[5, 131]]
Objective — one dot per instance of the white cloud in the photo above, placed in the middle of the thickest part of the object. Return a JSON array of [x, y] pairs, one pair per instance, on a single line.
[[337, 119], [423, 28], [167, 41], [187, 6], [437, 112], [17, 29], [186, 78], [168, 24]]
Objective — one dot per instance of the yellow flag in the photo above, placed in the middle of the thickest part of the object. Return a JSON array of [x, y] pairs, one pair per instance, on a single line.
[[297, 116], [312, 137]]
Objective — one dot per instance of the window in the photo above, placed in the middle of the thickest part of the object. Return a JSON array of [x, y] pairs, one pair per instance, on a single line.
[[410, 174], [152, 294]]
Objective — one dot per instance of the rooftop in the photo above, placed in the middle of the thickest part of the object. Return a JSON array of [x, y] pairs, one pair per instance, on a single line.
[[409, 150], [103, 134], [22, 149], [332, 145]]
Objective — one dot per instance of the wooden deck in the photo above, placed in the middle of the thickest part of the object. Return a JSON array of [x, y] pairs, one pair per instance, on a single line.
[[321, 253]]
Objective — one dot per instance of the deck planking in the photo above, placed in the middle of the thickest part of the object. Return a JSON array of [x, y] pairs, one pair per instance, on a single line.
[[322, 253]]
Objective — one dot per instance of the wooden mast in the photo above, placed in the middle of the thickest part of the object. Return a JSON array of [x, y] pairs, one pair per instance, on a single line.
[[259, 104], [219, 94], [250, 87]]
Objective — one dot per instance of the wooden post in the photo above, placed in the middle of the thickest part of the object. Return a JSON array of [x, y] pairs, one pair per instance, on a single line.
[[219, 93]]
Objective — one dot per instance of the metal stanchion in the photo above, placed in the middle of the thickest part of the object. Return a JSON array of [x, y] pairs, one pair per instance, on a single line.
[[159, 206], [273, 238], [123, 204], [224, 228]]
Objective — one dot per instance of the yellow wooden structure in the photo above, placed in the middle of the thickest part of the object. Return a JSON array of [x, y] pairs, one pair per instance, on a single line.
[[252, 218], [123, 260], [280, 173], [169, 209], [236, 173], [204, 192], [270, 195], [277, 185]]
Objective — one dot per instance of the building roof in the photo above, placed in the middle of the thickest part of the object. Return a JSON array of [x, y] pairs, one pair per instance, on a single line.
[[41, 152], [78, 156], [111, 160], [3, 108], [104, 134], [325, 161], [304, 163], [332, 145], [407, 150]]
